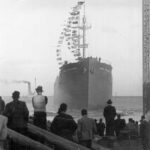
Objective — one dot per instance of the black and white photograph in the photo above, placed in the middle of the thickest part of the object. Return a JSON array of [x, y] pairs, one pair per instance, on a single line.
[[75, 74]]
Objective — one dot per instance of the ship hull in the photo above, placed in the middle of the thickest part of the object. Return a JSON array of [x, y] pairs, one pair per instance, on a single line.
[[85, 84]]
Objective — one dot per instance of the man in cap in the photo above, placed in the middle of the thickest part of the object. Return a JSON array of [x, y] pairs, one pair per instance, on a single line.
[[39, 104], [17, 113], [109, 114]]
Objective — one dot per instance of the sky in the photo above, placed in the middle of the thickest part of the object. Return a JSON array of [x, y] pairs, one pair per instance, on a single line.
[[30, 30]]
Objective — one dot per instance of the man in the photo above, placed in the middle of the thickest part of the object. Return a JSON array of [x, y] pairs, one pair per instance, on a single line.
[[101, 127], [109, 114], [119, 125], [86, 129], [17, 113], [63, 124], [39, 103], [2, 105]]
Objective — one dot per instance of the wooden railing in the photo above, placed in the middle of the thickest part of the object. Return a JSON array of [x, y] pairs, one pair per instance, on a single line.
[[57, 141], [25, 141]]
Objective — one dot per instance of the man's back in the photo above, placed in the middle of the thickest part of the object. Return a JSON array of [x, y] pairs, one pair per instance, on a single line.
[[39, 103], [109, 112], [17, 114], [86, 128], [64, 125]]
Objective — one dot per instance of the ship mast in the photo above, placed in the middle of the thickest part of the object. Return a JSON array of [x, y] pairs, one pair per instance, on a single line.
[[84, 27]]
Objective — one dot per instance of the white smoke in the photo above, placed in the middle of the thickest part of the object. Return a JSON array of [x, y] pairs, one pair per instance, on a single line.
[[18, 82], [21, 81]]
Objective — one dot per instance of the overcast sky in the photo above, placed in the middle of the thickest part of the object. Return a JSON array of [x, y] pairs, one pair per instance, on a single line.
[[30, 29]]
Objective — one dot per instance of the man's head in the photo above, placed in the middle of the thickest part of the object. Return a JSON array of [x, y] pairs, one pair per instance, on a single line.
[[83, 112], [109, 102], [16, 95], [142, 117], [62, 108], [39, 89], [100, 120]]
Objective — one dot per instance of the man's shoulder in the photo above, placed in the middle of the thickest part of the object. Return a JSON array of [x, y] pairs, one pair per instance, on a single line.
[[85, 119], [22, 102], [2, 117], [41, 96], [67, 116], [64, 116], [10, 103], [111, 107], [2, 101]]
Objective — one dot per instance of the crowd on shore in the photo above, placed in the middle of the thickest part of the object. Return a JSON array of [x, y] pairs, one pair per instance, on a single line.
[[15, 115]]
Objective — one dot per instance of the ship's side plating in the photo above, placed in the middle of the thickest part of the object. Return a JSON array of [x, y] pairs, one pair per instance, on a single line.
[[85, 84], [100, 83]]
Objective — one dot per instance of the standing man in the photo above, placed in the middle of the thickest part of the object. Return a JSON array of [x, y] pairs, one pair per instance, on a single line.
[[119, 125], [86, 129], [63, 124], [2, 105], [17, 113], [101, 127], [39, 104], [109, 114]]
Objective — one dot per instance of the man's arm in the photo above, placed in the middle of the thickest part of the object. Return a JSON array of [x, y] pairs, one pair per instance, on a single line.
[[79, 129], [46, 100], [94, 127], [32, 102], [26, 112]]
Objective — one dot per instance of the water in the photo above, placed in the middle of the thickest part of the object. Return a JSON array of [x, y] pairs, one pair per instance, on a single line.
[[126, 105]]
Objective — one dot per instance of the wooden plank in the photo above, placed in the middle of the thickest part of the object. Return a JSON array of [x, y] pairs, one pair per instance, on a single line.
[[54, 139], [21, 139]]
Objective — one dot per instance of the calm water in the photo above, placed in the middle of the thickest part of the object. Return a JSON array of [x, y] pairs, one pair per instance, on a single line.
[[126, 105]]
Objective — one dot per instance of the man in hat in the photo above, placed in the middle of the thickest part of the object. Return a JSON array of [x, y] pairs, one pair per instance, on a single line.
[[109, 114], [39, 104]]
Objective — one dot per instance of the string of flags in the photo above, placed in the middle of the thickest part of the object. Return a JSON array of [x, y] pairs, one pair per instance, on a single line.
[[70, 34]]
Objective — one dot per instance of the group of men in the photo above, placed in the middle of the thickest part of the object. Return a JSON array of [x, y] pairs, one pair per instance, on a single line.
[[16, 116]]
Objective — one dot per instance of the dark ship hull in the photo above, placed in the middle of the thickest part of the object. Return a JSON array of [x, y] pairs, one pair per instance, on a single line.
[[85, 84]]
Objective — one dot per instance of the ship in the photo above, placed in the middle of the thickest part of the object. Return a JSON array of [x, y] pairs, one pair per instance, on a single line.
[[86, 82]]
